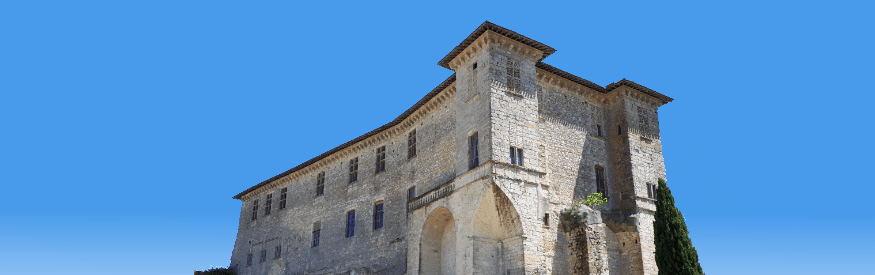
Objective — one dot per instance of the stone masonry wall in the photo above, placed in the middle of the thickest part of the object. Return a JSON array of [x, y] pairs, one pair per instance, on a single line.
[[381, 251]]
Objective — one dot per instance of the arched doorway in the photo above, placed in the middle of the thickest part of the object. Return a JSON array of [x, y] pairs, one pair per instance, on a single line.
[[437, 246], [498, 242]]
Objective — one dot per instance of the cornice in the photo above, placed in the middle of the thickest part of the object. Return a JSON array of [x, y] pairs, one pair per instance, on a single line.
[[492, 38], [490, 27], [564, 83], [431, 102]]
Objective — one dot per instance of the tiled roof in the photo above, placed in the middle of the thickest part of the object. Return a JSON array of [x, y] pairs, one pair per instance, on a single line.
[[397, 120], [489, 26], [639, 87], [566, 75]]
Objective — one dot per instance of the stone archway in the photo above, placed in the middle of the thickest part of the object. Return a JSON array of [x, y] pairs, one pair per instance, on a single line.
[[498, 241], [437, 246]]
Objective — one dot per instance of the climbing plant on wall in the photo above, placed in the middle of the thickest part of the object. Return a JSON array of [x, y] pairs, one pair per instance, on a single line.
[[675, 254]]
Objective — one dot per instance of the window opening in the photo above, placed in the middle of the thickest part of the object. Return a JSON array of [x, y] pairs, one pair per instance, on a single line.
[[350, 224], [320, 184], [254, 210], [317, 226], [267, 204], [411, 144], [381, 160], [378, 215], [283, 198], [473, 158], [353, 170], [516, 156], [411, 193], [277, 252], [600, 181]]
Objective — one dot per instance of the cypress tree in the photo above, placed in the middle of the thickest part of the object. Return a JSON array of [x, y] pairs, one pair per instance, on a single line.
[[675, 254]]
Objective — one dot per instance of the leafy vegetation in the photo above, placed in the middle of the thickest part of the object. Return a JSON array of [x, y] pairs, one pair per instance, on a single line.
[[675, 253]]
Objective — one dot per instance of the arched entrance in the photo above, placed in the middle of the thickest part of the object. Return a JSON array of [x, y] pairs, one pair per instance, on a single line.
[[437, 246], [498, 242]]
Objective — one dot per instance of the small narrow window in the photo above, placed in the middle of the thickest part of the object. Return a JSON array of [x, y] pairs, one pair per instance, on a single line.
[[317, 226], [283, 198], [381, 160], [600, 181], [353, 170], [411, 144], [547, 219], [320, 184], [473, 153], [599, 130], [350, 224], [249, 259], [649, 191], [267, 204], [619, 130], [519, 156], [516, 156], [411, 193], [277, 252], [263, 256], [475, 66], [654, 191], [254, 210], [378, 215]]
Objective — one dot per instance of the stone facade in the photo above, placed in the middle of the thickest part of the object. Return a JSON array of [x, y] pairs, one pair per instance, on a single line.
[[487, 214]]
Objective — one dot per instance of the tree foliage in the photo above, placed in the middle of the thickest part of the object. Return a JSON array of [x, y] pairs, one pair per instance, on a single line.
[[595, 199], [219, 271], [675, 254]]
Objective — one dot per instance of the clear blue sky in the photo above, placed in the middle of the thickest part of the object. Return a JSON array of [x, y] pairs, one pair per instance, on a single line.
[[127, 126]]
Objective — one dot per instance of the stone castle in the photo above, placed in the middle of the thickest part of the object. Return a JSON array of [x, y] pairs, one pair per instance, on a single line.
[[472, 179]]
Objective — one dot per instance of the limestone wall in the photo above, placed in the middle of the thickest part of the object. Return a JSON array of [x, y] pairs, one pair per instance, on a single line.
[[381, 251]]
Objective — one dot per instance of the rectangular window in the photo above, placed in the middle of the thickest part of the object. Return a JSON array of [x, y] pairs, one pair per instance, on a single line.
[[353, 170], [381, 160], [263, 256], [411, 193], [654, 190], [619, 130], [513, 75], [649, 191], [600, 181], [316, 228], [378, 215], [320, 184], [283, 198], [643, 121], [411, 144], [277, 252], [516, 156], [473, 158], [547, 219], [599, 130], [350, 224], [267, 204], [249, 259], [254, 210]]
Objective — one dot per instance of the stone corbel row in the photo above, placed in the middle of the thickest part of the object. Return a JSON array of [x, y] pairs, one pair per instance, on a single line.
[[408, 123]]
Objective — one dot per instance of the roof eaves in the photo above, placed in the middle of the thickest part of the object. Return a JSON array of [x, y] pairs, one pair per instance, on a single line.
[[665, 99], [446, 83], [569, 76], [489, 26]]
